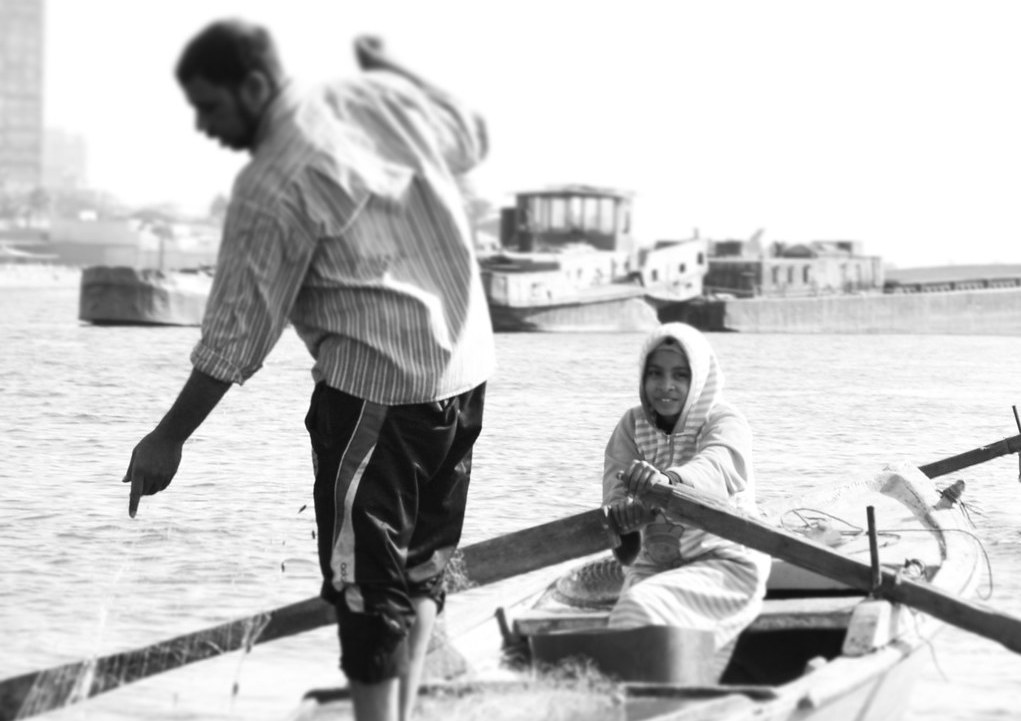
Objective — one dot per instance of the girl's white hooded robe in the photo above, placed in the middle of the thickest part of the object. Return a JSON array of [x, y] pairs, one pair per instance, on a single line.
[[684, 576]]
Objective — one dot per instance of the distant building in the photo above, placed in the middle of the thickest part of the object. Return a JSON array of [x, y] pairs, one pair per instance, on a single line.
[[21, 95], [65, 160], [944, 278], [822, 267]]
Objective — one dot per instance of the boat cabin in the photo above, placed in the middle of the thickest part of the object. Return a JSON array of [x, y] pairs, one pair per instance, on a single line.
[[562, 216]]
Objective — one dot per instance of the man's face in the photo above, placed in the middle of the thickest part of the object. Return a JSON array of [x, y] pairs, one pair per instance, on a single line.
[[221, 114]]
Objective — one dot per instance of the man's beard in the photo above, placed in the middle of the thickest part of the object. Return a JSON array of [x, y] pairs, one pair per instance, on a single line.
[[245, 140]]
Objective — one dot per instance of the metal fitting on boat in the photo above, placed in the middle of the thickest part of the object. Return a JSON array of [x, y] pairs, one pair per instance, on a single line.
[[950, 495]]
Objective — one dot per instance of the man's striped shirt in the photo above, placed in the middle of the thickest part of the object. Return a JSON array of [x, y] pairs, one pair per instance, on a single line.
[[348, 222]]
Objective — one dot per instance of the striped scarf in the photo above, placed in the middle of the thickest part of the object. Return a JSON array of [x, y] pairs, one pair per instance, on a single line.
[[705, 391]]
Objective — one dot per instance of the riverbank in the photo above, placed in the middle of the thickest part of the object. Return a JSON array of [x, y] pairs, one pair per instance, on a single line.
[[38, 275], [953, 312]]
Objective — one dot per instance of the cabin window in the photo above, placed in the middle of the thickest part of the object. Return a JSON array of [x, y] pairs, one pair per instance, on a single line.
[[538, 214], [590, 214], [683, 267], [606, 213], [701, 258], [775, 273], [654, 275], [575, 219], [806, 274], [557, 214], [790, 276], [498, 287]]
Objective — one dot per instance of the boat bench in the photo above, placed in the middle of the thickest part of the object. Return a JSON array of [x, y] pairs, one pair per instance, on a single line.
[[782, 613]]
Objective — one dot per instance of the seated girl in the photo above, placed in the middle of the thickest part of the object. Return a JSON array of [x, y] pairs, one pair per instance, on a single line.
[[683, 432]]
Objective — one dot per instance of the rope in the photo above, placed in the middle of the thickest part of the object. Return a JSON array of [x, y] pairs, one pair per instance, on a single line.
[[981, 545], [890, 534], [810, 524]]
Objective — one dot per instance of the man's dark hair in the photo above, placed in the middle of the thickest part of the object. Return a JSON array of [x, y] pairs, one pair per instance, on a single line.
[[226, 51]]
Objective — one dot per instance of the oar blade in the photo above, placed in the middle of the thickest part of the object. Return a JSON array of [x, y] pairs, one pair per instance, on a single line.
[[972, 458], [714, 515]]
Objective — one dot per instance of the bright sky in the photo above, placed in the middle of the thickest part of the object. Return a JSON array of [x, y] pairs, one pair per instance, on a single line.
[[893, 122]]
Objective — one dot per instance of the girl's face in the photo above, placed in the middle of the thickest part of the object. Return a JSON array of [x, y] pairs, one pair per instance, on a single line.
[[667, 382]]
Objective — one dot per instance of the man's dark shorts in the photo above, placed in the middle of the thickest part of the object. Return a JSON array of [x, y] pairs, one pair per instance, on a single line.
[[391, 483]]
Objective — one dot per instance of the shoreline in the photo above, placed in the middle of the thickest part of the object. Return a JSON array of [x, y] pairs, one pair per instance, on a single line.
[[38, 275]]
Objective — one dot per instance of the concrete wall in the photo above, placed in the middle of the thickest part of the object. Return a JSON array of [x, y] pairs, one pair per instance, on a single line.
[[979, 312], [795, 276]]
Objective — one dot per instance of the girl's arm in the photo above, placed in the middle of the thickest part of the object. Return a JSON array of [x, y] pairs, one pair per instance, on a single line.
[[722, 465], [621, 450]]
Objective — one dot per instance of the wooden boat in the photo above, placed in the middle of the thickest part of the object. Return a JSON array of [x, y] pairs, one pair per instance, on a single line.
[[120, 295], [818, 650], [821, 648]]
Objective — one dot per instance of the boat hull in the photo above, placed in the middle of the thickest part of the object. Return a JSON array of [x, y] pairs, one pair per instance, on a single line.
[[882, 697], [120, 295], [819, 650], [629, 313]]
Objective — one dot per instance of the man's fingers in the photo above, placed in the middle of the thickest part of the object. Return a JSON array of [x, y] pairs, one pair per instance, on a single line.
[[136, 494]]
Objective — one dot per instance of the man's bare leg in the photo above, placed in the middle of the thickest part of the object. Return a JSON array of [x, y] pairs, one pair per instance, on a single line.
[[418, 645], [375, 701], [382, 701]]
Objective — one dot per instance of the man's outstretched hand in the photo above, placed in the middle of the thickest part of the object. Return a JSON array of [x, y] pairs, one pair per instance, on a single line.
[[154, 462], [157, 456]]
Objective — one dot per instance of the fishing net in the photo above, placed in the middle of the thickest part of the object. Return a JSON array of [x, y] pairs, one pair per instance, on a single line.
[[38, 692]]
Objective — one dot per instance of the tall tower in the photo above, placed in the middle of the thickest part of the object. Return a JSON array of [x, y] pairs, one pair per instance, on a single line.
[[21, 95]]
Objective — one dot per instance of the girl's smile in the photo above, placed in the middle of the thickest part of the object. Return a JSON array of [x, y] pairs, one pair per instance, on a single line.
[[667, 381]]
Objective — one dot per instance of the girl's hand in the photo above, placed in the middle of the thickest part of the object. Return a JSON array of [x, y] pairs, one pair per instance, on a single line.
[[640, 477], [630, 516]]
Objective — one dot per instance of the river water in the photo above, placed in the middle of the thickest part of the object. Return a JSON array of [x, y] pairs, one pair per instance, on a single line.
[[233, 534]]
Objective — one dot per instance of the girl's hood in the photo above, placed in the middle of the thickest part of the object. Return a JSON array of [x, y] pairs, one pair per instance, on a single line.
[[706, 374]]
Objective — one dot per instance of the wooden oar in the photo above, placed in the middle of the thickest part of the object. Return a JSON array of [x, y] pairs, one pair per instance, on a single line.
[[716, 516], [495, 559], [972, 457], [474, 565]]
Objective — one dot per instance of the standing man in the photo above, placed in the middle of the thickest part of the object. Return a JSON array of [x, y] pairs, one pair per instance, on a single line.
[[348, 223]]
